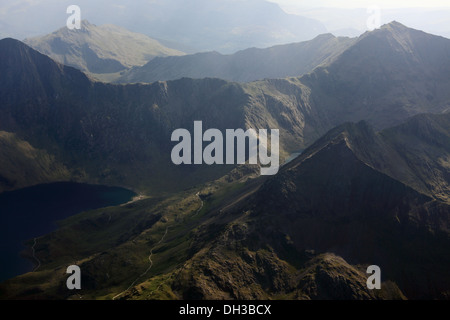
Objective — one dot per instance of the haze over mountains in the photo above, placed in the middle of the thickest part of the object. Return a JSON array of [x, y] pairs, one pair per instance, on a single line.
[[353, 21], [113, 54], [99, 50], [247, 65], [371, 186], [223, 25], [387, 75]]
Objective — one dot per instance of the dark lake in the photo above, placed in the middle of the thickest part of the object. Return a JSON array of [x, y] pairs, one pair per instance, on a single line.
[[31, 212]]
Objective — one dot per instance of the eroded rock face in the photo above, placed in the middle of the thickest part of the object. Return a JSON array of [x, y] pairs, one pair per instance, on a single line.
[[329, 277], [230, 270]]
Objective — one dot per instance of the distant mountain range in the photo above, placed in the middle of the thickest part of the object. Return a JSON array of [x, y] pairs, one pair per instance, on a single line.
[[100, 50], [370, 187], [247, 65], [113, 54], [102, 132], [223, 25]]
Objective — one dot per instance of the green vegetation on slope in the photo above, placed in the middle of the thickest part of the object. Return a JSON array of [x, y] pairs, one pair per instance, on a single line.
[[22, 165]]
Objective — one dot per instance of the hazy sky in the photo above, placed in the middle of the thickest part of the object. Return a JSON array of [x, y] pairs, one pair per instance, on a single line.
[[349, 4], [349, 17], [25, 18]]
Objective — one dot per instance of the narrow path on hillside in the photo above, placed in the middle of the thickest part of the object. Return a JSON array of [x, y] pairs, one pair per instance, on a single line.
[[148, 269], [34, 255]]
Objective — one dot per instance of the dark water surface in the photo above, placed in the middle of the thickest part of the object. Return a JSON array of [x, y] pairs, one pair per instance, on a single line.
[[32, 212]]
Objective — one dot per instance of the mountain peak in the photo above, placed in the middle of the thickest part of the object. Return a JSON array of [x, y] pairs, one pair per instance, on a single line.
[[85, 24], [394, 25], [11, 41], [105, 49], [394, 28], [14, 47], [325, 36]]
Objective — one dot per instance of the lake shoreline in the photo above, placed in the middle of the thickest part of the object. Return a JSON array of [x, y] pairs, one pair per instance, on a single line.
[[33, 212]]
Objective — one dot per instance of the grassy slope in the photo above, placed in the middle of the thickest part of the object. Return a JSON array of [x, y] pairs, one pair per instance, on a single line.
[[112, 245], [198, 241], [23, 165]]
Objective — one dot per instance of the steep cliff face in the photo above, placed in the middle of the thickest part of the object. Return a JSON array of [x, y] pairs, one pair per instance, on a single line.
[[386, 76], [116, 134], [335, 197], [119, 134]]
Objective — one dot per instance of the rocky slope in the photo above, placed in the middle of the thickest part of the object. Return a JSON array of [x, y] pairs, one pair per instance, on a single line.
[[308, 232], [329, 199], [386, 76]]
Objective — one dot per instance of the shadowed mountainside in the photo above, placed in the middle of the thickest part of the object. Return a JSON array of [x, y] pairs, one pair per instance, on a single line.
[[308, 232], [103, 132]]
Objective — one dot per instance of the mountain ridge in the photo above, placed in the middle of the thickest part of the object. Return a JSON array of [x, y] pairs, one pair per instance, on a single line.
[[86, 125], [243, 66], [99, 50], [308, 232]]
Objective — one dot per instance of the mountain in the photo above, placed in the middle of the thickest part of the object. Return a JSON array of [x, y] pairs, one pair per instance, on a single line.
[[332, 199], [88, 125], [414, 153], [247, 65], [223, 25], [99, 50], [371, 192], [102, 132], [425, 166], [385, 77], [308, 232]]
